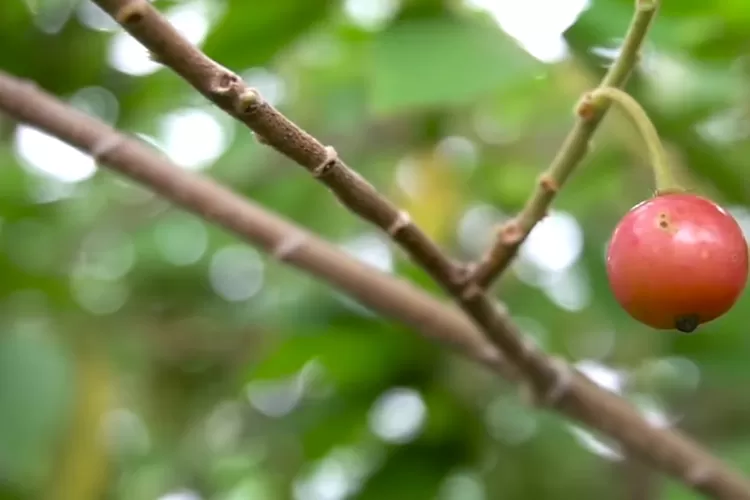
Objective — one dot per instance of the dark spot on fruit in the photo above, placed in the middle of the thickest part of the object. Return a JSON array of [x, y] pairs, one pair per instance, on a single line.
[[687, 323], [663, 220]]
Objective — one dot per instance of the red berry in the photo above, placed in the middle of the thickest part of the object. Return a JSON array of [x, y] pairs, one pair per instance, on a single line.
[[676, 261]]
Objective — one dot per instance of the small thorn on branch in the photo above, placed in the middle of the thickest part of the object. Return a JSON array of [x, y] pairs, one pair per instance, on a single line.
[[106, 146], [330, 160], [401, 222], [288, 246]]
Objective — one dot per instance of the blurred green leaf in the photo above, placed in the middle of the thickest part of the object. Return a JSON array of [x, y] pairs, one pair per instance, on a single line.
[[35, 395], [441, 62], [248, 35], [353, 357]]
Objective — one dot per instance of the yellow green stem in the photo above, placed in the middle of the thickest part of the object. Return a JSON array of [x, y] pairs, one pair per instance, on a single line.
[[665, 180]]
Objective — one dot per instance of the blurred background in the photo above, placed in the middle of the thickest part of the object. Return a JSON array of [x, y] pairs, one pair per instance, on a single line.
[[147, 355]]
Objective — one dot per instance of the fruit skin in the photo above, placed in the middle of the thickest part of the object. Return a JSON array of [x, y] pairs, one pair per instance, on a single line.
[[676, 261]]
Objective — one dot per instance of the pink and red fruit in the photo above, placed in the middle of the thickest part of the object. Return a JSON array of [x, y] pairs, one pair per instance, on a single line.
[[677, 261]]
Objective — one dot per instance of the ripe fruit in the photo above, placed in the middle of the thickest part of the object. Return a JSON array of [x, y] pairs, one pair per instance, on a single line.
[[677, 261]]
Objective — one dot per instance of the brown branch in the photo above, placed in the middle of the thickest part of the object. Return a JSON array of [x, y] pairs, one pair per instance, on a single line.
[[281, 239], [513, 233], [229, 92], [553, 381]]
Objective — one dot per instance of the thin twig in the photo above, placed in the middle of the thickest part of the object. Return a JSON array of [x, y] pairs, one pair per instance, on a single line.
[[575, 395], [514, 232]]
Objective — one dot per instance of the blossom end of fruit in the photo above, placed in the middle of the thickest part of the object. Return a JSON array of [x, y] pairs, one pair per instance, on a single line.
[[687, 323]]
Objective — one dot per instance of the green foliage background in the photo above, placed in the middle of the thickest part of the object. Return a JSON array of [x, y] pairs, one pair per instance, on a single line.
[[138, 383]]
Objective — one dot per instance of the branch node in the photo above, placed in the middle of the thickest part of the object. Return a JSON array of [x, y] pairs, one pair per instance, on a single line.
[[105, 146], [471, 292], [698, 474], [401, 222], [510, 233], [469, 269], [549, 184], [132, 13], [247, 101], [586, 107], [562, 384], [288, 246], [327, 164], [465, 273]]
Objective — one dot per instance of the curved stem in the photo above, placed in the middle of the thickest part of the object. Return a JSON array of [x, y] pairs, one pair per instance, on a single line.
[[574, 148], [665, 181]]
